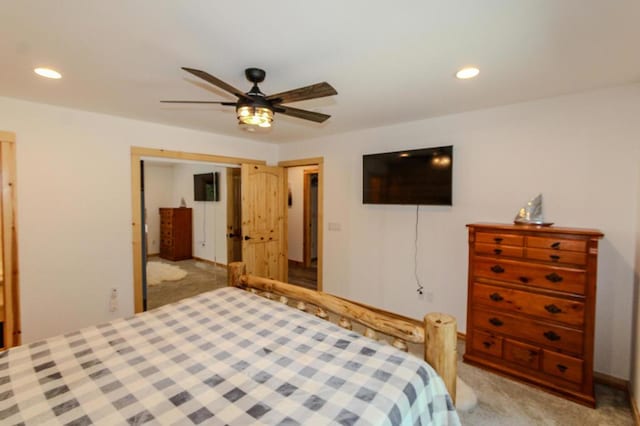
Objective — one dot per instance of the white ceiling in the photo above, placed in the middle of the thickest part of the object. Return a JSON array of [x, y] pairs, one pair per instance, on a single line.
[[389, 61]]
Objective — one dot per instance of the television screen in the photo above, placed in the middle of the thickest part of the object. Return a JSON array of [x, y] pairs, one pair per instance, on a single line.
[[417, 177], [205, 187]]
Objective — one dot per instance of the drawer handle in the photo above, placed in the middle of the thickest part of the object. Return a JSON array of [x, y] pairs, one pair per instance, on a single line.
[[497, 251], [496, 322], [562, 368], [497, 269], [246, 237], [555, 245], [498, 240], [524, 279], [552, 309], [551, 336], [496, 297], [554, 257], [553, 277], [487, 344]]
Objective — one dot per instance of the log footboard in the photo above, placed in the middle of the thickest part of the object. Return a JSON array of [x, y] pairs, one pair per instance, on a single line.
[[438, 332]]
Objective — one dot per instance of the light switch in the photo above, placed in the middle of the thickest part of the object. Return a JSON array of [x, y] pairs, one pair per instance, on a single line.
[[334, 226]]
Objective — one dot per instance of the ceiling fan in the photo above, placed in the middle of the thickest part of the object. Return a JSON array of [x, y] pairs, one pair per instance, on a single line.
[[254, 108]]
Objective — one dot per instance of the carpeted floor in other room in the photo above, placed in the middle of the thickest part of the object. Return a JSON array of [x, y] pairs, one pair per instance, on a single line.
[[201, 276]]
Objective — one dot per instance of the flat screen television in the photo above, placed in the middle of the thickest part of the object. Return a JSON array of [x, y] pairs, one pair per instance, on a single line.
[[416, 177], [206, 187]]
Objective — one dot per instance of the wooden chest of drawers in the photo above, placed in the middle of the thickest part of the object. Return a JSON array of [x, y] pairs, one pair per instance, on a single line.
[[175, 233], [531, 305]]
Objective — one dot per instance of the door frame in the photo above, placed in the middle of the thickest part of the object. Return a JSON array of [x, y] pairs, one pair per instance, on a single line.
[[8, 220], [137, 153], [319, 162]]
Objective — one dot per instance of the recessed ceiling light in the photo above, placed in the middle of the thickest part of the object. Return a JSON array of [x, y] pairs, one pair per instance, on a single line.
[[468, 72], [48, 73]]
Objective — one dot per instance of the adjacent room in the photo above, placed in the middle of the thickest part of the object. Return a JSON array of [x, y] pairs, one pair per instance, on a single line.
[[352, 213]]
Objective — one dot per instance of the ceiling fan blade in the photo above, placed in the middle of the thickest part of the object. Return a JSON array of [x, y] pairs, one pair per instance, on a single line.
[[217, 82], [200, 102], [301, 113], [318, 90]]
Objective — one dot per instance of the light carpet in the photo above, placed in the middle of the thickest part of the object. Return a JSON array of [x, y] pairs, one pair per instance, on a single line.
[[158, 272], [466, 398]]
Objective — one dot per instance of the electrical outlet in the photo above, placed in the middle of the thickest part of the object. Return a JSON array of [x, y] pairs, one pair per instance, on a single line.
[[113, 300]]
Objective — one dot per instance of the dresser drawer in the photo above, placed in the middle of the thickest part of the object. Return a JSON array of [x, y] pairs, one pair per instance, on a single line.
[[522, 354], [547, 307], [496, 238], [550, 277], [559, 365], [557, 256], [557, 244], [498, 250], [487, 343], [555, 337]]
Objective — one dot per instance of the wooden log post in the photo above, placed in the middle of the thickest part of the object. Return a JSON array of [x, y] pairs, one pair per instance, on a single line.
[[234, 271], [321, 313], [400, 344], [345, 323], [440, 348], [371, 334]]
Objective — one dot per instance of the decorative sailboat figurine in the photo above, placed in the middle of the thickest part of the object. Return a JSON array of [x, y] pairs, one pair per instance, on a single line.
[[531, 213]]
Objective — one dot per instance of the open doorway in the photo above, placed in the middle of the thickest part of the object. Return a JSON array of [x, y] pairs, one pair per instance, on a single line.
[[234, 215], [304, 222]]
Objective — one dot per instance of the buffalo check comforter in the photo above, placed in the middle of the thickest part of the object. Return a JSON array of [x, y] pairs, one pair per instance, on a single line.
[[223, 357]]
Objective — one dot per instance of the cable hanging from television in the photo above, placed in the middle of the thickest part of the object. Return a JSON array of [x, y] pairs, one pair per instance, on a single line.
[[415, 254]]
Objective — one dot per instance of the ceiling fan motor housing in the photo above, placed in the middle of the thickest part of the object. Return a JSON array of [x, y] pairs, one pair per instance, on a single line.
[[255, 75]]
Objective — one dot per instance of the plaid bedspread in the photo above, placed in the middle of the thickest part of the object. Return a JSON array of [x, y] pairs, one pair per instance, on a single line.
[[224, 357]]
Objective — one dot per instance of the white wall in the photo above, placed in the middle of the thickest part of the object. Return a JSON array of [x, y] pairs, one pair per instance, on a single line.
[[74, 207], [579, 151], [296, 213], [209, 217], [158, 192]]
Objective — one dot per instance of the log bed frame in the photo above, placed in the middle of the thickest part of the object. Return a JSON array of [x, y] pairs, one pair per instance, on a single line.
[[437, 333]]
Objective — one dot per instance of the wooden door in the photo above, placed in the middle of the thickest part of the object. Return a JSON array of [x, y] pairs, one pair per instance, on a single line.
[[234, 219], [264, 245]]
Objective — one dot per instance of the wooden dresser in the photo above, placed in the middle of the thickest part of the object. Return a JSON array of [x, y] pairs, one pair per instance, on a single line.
[[175, 233], [531, 305]]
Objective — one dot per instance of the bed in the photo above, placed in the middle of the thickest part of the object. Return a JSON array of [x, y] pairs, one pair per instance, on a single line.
[[226, 357]]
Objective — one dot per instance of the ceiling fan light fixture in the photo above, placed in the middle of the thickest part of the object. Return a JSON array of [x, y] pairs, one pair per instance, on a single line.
[[254, 115]]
